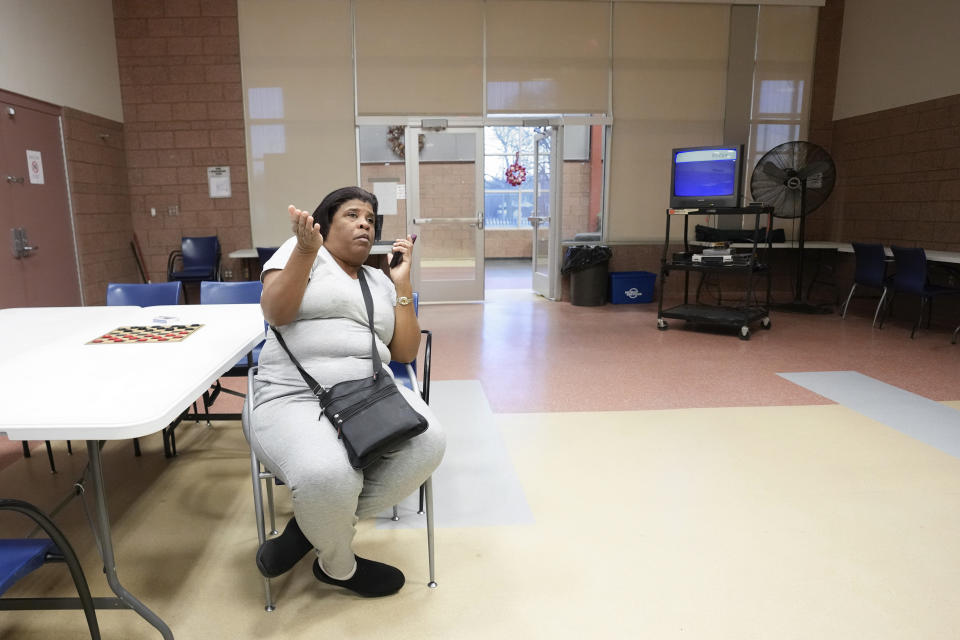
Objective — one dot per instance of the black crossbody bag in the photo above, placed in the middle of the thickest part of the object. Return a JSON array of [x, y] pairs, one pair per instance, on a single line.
[[370, 415]]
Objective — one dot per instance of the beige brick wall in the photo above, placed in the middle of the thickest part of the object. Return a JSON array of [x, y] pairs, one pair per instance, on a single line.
[[898, 170], [898, 178], [183, 112]]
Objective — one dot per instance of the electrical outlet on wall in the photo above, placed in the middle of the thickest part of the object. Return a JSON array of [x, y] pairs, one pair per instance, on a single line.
[[173, 210], [228, 274]]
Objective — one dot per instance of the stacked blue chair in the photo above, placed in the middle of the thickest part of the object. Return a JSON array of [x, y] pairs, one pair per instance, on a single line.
[[912, 278], [230, 293], [406, 374], [264, 254], [155, 294], [199, 260], [21, 556], [870, 271]]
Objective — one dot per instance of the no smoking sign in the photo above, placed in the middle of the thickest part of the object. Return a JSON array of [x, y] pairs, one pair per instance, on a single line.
[[35, 166]]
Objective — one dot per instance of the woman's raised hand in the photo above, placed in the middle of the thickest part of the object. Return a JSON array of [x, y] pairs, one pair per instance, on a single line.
[[309, 238], [400, 259]]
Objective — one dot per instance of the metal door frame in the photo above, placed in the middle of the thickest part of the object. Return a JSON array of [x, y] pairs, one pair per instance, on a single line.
[[548, 285], [414, 125], [453, 290]]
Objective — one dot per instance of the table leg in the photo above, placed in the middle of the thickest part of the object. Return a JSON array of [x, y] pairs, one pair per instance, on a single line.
[[106, 545]]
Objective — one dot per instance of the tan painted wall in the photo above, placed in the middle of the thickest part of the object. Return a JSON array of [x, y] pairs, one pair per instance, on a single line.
[[63, 52], [895, 53]]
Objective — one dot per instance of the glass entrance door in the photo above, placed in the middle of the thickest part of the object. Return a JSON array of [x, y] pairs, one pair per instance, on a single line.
[[545, 218], [445, 210]]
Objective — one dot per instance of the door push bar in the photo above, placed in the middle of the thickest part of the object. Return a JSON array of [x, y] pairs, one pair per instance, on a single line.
[[477, 222]]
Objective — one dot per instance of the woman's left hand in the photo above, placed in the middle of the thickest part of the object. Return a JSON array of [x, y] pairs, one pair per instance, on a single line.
[[401, 273]]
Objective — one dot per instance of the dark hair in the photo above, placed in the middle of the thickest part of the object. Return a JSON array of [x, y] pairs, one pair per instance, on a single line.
[[324, 212]]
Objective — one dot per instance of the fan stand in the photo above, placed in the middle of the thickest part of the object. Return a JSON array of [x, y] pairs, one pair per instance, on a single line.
[[798, 304]]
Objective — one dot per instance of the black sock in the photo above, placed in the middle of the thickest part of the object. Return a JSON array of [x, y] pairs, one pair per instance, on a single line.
[[278, 555]]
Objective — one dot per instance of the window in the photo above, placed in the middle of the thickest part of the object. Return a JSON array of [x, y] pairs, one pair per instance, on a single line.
[[507, 206]]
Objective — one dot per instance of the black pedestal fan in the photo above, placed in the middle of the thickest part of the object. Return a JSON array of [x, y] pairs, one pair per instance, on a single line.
[[794, 178]]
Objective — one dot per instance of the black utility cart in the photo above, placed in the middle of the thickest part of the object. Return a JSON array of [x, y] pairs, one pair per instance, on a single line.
[[746, 259]]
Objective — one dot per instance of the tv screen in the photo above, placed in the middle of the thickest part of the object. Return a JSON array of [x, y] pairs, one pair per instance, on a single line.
[[704, 177]]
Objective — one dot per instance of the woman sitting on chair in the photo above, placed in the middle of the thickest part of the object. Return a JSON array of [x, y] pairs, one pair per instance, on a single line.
[[312, 295]]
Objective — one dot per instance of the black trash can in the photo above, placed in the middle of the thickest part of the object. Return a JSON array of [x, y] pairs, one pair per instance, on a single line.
[[588, 267]]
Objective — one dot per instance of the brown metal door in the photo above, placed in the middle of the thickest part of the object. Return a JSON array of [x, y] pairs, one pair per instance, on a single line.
[[38, 265]]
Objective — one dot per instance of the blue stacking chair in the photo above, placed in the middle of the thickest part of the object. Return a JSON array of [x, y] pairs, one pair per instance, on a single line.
[[405, 374], [199, 260], [264, 254], [912, 278], [157, 294], [21, 556], [870, 271], [230, 293]]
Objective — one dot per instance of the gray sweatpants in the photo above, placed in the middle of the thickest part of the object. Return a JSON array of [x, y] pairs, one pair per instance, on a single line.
[[329, 495]]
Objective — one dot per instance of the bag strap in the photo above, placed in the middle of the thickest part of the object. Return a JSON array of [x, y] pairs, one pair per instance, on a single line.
[[368, 302], [313, 384], [374, 354]]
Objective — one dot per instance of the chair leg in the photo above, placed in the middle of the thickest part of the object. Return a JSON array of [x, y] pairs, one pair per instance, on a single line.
[[396, 513], [923, 303], [136, 447], [955, 332], [258, 514], [423, 491], [843, 312], [53, 467], [69, 449], [428, 493], [888, 310], [271, 507], [876, 313], [206, 406], [170, 440], [26, 448]]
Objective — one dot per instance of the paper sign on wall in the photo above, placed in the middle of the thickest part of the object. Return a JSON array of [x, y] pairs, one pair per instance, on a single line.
[[386, 192], [35, 167], [219, 180]]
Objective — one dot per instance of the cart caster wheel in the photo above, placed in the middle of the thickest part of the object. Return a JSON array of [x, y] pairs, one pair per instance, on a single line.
[[744, 332], [662, 324], [765, 323]]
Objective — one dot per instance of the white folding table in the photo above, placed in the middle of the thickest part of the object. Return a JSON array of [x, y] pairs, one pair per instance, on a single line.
[[112, 391]]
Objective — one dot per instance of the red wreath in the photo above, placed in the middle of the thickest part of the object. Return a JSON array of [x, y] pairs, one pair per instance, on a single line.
[[516, 173]]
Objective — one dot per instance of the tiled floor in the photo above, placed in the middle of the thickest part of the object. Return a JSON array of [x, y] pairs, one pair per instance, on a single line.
[[508, 273], [604, 479]]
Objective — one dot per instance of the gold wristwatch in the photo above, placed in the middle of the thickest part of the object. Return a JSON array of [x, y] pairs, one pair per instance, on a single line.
[[404, 301]]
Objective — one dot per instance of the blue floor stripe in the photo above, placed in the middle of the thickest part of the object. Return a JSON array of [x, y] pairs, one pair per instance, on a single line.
[[921, 418], [476, 485]]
